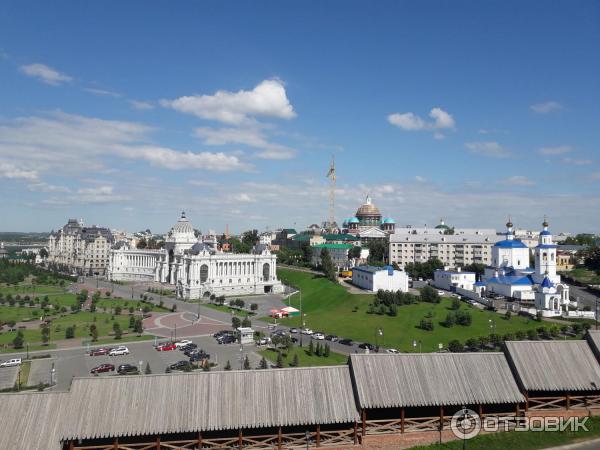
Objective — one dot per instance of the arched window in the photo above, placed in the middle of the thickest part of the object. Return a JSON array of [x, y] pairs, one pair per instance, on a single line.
[[266, 271], [203, 273]]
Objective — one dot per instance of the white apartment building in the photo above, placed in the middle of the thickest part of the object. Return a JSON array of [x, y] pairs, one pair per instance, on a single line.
[[465, 246], [338, 253], [385, 278], [84, 250]]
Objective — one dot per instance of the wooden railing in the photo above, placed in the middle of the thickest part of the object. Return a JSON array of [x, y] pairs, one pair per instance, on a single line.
[[546, 403]]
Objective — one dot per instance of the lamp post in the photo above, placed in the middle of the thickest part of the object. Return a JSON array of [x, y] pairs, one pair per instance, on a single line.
[[464, 408], [492, 323], [596, 314]]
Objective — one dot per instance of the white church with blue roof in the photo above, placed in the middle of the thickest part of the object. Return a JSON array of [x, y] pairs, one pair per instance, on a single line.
[[510, 274]]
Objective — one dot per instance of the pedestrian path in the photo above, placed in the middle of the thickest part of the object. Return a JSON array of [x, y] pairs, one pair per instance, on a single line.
[[8, 377], [40, 371]]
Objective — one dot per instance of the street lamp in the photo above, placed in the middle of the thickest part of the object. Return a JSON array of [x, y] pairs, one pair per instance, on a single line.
[[464, 408]]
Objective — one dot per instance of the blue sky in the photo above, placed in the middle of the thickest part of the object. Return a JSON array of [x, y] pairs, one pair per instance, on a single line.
[[125, 113]]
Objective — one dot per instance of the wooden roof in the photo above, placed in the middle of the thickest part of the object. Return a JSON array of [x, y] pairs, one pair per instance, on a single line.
[[432, 379], [554, 365], [137, 405]]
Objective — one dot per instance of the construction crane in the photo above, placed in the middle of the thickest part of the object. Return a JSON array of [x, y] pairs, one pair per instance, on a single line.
[[331, 176]]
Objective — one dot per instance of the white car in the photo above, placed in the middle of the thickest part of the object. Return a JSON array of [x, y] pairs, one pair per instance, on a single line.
[[392, 350], [441, 293], [306, 331], [182, 343], [11, 362], [119, 351], [318, 336]]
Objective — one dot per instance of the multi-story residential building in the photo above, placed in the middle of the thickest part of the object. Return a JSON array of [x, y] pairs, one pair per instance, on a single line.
[[338, 253], [465, 246], [83, 250]]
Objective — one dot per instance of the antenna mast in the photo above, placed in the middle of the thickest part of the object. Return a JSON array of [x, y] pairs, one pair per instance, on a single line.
[[332, 177]]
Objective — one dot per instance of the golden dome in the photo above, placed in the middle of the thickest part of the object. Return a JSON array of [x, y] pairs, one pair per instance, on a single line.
[[368, 209]]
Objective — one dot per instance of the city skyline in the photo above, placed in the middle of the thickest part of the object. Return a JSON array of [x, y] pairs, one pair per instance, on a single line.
[[471, 113]]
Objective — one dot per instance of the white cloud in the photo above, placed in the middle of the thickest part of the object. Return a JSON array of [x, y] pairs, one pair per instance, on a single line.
[[46, 74], [142, 106], [490, 148], [102, 92], [420, 179], [578, 161], [551, 151], [250, 136], [11, 171], [411, 122], [70, 143], [407, 121], [267, 99], [241, 198], [517, 180], [546, 107], [45, 187]]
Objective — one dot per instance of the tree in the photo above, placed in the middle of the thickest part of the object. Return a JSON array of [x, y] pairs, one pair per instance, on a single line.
[[45, 334], [429, 295], [455, 303], [354, 252], [147, 371], [455, 346], [94, 332], [138, 326], [531, 335], [326, 351], [327, 265], [117, 330], [295, 361], [246, 363], [377, 251], [142, 243], [131, 321], [263, 363], [247, 323], [279, 362], [235, 322], [479, 269], [69, 332], [450, 320], [253, 307], [227, 365], [311, 348], [250, 238], [507, 315], [18, 340]]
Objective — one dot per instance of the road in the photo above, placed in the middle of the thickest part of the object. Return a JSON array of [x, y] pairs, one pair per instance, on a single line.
[[585, 298]]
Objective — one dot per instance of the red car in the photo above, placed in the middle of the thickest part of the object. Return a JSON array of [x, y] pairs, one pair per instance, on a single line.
[[166, 347], [99, 352], [103, 368]]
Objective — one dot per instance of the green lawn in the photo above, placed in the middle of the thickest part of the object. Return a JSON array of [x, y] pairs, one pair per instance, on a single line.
[[304, 359], [26, 288], [110, 303], [584, 275], [328, 307], [32, 348], [16, 313], [522, 440], [82, 321]]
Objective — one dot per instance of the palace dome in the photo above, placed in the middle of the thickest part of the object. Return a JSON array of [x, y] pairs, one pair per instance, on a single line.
[[183, 229]]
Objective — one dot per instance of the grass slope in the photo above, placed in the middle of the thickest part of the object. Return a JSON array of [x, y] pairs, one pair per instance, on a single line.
[[328, 307], [304, 359]]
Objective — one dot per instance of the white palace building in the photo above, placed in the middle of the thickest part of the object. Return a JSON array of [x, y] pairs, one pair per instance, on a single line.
[[195, 268]]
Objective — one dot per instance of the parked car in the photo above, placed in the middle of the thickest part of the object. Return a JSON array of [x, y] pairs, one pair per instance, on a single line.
[[193, 351], [345, 341], [293, 330], [392, 350], [306, 331], [228, 339], [11, 362], [182, 343], [99, 351], [103, 368], [332, 338], [366, 345], [127, 369], [119, 351], [180, 365], [223, 333], [441, 293], [263, 341], [165, 347], [318, 336], [188, 347]]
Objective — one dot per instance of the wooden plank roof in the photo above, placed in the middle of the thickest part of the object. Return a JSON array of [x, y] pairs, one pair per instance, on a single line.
[[593, 338], [554, 365], [32, 421], [156, 404], [432, 379]]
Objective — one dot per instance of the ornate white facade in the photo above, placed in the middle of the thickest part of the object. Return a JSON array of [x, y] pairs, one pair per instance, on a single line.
[[195, 268], [84, 250]]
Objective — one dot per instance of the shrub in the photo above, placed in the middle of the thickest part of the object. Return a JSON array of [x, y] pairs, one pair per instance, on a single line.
[[455, 346]]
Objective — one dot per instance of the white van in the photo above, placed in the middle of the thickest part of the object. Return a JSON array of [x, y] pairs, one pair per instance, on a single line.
[[121, 350], [11, 362]]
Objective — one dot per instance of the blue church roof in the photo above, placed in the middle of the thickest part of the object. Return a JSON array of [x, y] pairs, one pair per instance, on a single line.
[[546, 246], [515, 280], [547, 283], [545, 233], [515, 243], [480, 283]]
